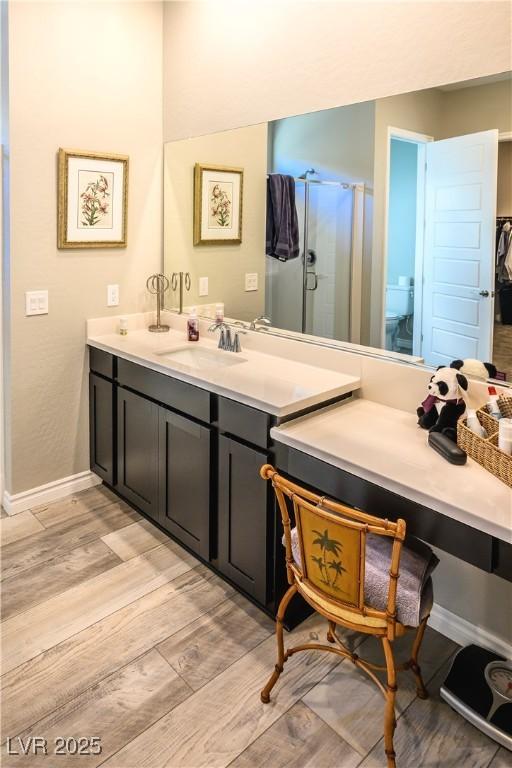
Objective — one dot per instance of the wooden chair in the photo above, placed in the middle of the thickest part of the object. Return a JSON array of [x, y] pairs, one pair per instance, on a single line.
[[330, 577]]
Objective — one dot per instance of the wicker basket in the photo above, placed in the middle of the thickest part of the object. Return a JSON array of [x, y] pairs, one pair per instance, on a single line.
[[505, 405], [485, 450]]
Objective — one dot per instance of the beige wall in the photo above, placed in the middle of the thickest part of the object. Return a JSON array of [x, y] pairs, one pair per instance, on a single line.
[[225, 266], [65, 94], [504, 202], [459, 115], [275, 59]]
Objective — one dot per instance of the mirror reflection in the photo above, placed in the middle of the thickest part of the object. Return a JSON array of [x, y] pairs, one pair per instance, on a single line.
[[384, 224]]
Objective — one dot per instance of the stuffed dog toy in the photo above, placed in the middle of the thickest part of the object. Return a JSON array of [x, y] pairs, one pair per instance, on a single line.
[[443, 406]]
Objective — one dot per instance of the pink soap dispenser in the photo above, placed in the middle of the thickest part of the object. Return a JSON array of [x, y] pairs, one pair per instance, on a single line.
[[193, 325]]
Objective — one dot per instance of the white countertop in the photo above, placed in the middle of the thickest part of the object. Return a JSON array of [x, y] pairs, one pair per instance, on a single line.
[[276, 385], [385, 446]]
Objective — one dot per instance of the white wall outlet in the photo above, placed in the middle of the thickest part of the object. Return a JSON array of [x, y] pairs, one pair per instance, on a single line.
[[36, 303], [251, 281], [112, 295], [203, 286]]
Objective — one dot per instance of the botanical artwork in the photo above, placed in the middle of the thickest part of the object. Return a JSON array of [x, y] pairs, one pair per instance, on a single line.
[[217, 205], [331, 570], [92, 200], [221, 201], [95, 199]]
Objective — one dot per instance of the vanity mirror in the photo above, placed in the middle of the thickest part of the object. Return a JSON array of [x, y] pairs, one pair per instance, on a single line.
[[393, 228]]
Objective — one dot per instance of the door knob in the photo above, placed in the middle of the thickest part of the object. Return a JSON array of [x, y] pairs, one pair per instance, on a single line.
[[484, 293]]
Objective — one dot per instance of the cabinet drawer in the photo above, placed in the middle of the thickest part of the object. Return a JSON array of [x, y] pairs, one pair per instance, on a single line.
[[101, 362], [245, 422], [176, 394]]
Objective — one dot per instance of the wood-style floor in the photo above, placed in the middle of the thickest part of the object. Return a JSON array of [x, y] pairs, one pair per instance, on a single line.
[[112, 630]]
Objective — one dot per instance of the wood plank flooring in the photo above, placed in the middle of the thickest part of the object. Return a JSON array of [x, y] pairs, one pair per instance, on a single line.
[[110, 629]]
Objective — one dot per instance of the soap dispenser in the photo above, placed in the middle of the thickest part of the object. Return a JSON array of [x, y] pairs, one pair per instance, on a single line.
[[193, 325]]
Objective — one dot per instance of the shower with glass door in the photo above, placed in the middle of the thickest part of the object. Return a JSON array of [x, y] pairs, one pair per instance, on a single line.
[[312, 294]]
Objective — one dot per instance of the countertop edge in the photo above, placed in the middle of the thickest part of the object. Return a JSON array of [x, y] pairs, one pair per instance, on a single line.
[[394, 486], [320, 399]]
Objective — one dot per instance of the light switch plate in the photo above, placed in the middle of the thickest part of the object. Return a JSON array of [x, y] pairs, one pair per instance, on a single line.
[[251, 281], [203, 286], [36, 303], [112, 295]]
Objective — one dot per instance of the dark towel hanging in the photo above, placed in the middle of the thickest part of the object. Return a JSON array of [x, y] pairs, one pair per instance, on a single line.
[[282, 234]]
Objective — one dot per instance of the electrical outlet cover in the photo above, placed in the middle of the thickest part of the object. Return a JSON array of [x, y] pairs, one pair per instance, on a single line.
[[251, 281], [36, 303], [203, 286], [112, 295]]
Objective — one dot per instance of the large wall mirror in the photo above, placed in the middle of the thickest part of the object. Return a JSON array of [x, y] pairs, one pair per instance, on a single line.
[[383, 224]]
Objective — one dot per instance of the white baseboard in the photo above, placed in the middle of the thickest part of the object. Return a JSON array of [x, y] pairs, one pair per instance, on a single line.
[[463, 632], [19, 502]]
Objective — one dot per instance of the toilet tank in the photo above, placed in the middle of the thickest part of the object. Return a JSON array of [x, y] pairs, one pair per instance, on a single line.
[[400, 299]]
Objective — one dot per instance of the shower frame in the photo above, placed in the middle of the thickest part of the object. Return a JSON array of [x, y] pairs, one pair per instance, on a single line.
[[320, 182]]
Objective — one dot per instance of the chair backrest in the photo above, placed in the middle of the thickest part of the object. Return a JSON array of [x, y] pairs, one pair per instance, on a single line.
[[332, 545]]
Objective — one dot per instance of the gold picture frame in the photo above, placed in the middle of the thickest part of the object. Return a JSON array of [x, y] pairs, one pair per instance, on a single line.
[[92, 201], [218, 204]]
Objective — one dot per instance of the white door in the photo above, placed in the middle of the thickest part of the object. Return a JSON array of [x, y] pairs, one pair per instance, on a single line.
[[459, 252]]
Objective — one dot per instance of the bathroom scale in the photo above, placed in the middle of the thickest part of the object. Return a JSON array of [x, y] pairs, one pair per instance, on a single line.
[[479, 687]]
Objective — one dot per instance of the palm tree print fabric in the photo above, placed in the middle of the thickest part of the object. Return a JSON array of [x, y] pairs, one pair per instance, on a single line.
[[332, 555]]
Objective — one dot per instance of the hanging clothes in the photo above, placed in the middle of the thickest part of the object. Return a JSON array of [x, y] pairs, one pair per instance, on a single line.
[[504, 268], [504, 253], [282, 230]]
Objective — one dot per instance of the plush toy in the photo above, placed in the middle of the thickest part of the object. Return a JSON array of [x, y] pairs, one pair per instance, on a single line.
[[440, 411], [475, 369]]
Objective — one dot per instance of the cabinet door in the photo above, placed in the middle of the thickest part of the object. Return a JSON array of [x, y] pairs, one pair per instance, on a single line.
[[101, 427], [185, 481], [137, 451], [244, 507]]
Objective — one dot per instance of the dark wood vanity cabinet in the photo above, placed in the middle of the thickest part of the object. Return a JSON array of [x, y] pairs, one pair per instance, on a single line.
[[185, 458], [101, 419], [137, 451], [190, 461], [245, 518]]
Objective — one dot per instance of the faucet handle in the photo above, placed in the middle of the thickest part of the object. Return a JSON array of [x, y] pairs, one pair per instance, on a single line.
[[222, 339], [236, 344]]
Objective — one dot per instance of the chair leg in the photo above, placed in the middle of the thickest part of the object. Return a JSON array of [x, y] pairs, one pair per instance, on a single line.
[[331, 631], [415, 667], [281, 658], [389, 713]]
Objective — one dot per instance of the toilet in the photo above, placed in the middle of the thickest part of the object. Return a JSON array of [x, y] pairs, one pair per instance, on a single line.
[[399, 304]]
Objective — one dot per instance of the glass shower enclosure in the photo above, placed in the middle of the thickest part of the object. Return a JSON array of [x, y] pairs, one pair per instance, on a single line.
[[311, 294]]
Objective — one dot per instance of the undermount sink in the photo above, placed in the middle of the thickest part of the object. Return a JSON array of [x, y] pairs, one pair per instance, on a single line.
[[201, 358]]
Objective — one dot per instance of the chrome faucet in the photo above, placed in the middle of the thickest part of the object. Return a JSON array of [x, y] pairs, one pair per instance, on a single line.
[[260, 321], [226, 341]]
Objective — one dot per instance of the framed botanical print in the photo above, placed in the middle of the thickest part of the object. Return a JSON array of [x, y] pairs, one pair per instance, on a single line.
[[92, 200], [217, 204]]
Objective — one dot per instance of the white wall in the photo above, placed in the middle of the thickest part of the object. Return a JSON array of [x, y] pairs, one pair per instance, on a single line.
[[87, 76], [232, 64]]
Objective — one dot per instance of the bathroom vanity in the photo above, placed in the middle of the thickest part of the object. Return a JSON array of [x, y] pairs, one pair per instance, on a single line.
[[384, 466], [169, 440]]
